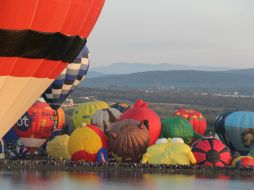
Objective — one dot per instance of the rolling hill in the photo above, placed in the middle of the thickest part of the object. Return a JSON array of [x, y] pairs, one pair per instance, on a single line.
[[226, 80], [128, 68]]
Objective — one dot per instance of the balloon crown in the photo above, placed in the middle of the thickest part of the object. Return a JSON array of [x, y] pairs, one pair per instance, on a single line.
[[141, 104]]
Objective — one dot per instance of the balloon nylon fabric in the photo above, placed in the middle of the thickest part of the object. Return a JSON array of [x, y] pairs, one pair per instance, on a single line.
[[24, 78], [68, 80], [40, 45], [28, 68]]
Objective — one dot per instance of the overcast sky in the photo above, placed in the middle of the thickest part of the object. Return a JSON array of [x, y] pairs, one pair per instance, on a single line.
[[187, 32]]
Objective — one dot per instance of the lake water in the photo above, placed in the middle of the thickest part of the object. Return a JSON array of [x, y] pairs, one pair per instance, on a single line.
[[58, 180]]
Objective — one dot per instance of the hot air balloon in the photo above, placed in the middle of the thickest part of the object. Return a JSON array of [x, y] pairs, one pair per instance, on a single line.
[[196, 119], [102, 155], [128, 139], [58, 147], [60, 118], [86, 142], [84, 112], [178, 127], [37, 125], [171, 152], [141, 112], [68, 80], [37, 41], [243, 162], [105, 118], [236, 129], [211, 152], [10, 138]]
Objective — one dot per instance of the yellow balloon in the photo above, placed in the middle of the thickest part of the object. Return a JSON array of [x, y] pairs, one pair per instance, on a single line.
[[84, 112], [58, 147], [85, 142], [172, 152]]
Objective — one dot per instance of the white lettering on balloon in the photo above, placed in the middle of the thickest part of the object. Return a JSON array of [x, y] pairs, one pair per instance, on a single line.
[[23, 122]]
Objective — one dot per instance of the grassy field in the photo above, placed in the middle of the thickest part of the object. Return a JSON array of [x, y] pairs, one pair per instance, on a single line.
[[166, 102]]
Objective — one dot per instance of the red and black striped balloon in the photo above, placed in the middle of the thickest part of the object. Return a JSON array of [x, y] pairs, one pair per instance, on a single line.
[[211, 152], [43, 34]]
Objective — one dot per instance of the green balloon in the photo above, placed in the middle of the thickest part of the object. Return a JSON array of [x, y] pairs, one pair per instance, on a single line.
[[178, 127]]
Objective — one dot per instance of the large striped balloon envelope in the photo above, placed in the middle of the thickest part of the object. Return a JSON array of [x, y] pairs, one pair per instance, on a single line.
[[68, 80], [38, 38]]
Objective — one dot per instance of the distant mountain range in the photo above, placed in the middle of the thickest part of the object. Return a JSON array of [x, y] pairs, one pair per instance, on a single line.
[[242, 71], [128, 68], [93, 74], [229, 79]]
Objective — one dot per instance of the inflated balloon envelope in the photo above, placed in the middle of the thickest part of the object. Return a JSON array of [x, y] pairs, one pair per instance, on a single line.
[[38, 124], [141, 112], [196, 119], [37, 41], [85, 142], [178, 127], [83, 112], [128, 139], [58, 147], [68, 80], [172, 152], [105, 118], [211, 152], [236, 129], [243, 161]]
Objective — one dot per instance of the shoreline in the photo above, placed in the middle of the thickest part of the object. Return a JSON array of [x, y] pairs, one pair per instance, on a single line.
[[71, 166]]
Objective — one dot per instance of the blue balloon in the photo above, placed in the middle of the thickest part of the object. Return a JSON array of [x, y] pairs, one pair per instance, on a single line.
[[102, 155], [236, 129], [11, 137]]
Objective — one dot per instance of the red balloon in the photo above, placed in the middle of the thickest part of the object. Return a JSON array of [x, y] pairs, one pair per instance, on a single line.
[[141, 112], [195, 118], [211, 152], [245, 162], [37, 124]]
